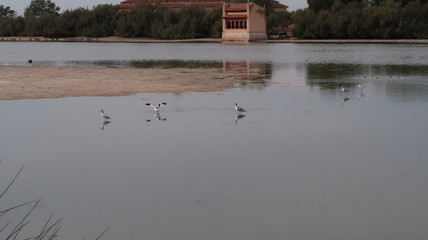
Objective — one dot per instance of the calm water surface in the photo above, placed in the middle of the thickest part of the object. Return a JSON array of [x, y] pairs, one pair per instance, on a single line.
[[307, 161]]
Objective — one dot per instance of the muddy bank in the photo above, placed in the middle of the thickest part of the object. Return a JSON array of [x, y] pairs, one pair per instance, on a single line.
[[32, 82]]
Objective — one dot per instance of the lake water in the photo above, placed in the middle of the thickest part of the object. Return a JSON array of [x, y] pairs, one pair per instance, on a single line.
[[307, 161]]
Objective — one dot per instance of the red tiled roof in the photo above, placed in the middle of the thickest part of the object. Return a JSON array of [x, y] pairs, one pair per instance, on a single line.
[[235, 9]]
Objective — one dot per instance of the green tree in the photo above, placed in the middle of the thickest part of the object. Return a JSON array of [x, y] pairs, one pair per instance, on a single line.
[[277, 23], [135, 22], [212, 21], [11, 26], [41, 7], [38, 26], [100, 21], [318, 5], [5, 11]]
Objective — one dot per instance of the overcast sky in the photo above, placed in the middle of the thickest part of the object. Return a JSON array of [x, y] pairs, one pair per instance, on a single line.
[[20, 5]]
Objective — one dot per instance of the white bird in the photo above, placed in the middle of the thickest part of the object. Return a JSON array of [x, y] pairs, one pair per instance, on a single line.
[[345, 90], [107, 118], [155, 107], [239, 109], [360, 85]]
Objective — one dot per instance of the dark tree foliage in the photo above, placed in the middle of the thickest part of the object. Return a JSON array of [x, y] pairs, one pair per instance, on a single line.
[[401, 2], [277, 23], [41, 7], [135, 23], [318, 5], [341, 19], [389, 19], [42, 18], [5, 11], [105, 20], [38, 26], [99, 22], [10, 26], [165, 23]]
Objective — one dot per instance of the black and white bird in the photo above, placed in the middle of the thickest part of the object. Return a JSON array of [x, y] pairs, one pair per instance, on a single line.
[[360, 85], [106, 118], [345, 90], [239, 109], [155, 107]]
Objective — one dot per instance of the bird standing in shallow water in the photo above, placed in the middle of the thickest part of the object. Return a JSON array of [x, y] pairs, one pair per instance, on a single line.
[[155, 107], [345, 90], [239, 109], [107, 118]]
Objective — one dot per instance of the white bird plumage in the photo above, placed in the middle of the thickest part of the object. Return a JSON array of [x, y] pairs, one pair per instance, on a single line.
[[155, 107], [345, 90]]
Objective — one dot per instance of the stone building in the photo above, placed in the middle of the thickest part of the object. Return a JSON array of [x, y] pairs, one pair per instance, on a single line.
[[241, 21], [244, 22]]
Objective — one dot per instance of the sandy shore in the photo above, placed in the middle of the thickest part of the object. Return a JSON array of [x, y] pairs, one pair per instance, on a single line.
[[31, 82]]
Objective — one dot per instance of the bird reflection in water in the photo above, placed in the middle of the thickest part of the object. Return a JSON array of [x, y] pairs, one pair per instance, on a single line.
[[156, 116], [105, 123], [345, 99], [239, 117]]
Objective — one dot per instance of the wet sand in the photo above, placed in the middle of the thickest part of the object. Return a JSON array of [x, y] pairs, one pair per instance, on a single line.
[[33, 82]]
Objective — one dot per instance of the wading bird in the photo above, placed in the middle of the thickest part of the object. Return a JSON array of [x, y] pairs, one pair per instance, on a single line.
[[106, 118], [239, 109], [155, 107]]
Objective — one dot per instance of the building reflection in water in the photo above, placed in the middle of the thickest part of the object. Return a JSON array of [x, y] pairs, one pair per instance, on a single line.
[[255, 72]]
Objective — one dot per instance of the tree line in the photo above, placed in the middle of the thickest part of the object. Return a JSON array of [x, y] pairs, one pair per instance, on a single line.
[[105, 20], [42, 18], [323, 19], [362, 19]]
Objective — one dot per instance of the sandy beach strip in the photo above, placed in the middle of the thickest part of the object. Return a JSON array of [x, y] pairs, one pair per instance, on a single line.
[[33, 82]]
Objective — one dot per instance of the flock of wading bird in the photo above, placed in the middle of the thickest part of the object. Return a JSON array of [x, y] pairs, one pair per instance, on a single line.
[[157, 108], [241, 111], [346, 90]]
